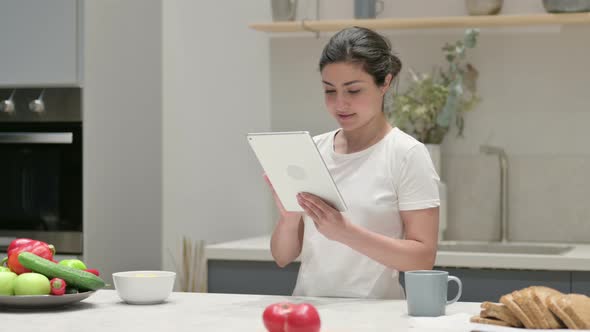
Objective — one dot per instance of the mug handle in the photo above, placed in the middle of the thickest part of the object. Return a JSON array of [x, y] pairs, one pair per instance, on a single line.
[[380, 6], [458, 281]]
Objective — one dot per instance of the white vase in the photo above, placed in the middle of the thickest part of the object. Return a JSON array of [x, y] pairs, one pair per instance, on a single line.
[[434, 150], [442, 211]]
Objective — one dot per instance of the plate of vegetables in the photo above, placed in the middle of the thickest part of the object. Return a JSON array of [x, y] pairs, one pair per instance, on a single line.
[[31, 278]]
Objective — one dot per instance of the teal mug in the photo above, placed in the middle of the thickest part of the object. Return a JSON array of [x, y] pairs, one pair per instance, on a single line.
[[426, 292], [367, 9]]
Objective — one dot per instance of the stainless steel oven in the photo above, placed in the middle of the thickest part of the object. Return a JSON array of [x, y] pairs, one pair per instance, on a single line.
[[41, 169]]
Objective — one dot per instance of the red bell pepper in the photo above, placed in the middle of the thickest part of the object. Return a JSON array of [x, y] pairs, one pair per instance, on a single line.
[[18, 243], [93, 271], [58, 286], [17, 246]]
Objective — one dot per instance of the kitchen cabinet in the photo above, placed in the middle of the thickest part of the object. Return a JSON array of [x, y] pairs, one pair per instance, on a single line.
[[265, 277], [490, 284], [39, 43], [581, 282], [251, 277]]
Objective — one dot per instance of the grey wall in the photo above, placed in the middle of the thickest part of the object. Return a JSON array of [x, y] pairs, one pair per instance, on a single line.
[[216, 89], [170, 90], [122, 103], [534, 82]]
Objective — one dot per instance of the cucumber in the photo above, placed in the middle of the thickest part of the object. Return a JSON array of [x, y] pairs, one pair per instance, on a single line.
[[73, 277]]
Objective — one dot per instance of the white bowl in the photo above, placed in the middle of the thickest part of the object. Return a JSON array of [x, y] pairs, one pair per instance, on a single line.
[[144, 287]]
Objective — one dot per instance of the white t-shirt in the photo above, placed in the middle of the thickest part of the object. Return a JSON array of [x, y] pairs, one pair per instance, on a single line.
[[393, 175]]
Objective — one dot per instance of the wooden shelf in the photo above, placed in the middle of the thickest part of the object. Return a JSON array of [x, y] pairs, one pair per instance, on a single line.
[[426, 22]]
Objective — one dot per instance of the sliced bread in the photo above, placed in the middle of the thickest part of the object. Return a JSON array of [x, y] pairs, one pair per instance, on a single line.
[[547, 318], [481, 320], [556, 304], [578, 308], [509, 301], [501, 312]]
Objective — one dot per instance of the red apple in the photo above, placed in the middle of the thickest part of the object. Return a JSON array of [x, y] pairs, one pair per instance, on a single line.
[[275, 316], [303, 318], [290, 317]]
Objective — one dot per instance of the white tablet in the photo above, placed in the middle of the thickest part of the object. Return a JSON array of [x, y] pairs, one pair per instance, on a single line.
[[293, 164]]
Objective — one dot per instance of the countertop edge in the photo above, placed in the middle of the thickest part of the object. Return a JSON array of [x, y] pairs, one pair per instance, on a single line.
[[257, 249]]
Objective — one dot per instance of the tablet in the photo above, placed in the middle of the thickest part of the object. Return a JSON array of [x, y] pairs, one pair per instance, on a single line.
[[293, 164]]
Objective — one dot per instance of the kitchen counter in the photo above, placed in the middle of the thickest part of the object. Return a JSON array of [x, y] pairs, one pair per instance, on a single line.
[[578, 259], [104, 311]]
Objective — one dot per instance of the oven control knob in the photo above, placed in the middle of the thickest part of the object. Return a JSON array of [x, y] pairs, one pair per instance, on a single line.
[[7, 106], [37, 105]]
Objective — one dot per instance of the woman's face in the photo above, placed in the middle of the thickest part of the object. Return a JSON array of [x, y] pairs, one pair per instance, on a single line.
[[351, 95]]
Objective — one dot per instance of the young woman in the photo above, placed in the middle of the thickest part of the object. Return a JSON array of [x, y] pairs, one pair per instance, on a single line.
[[385, 176]]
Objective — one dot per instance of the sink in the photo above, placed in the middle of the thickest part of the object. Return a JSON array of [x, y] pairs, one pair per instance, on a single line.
[[504, 248]]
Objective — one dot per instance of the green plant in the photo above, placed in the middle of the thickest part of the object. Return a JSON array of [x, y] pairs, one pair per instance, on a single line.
[[428, 107]]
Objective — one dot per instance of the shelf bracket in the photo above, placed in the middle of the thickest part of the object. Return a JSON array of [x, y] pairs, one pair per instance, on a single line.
[[307, 28]]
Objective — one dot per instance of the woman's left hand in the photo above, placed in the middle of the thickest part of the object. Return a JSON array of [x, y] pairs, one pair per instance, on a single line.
[[328, 220]]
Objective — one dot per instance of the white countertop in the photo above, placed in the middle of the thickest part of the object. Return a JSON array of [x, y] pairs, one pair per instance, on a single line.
[[578, 259], [193, 312]]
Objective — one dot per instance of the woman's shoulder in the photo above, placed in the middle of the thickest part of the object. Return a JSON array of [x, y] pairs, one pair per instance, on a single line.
[[401, 142], [408, 154]]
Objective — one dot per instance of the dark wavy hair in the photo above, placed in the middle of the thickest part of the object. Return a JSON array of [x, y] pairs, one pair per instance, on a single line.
[[365, 47]]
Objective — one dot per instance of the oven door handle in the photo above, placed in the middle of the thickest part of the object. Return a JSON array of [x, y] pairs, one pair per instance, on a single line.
[[36, 138]]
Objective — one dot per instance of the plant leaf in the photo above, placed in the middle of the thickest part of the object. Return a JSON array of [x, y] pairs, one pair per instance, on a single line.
[[444, 117], [470, 38]]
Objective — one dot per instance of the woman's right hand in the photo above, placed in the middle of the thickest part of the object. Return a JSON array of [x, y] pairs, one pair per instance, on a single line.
[[285, 215]]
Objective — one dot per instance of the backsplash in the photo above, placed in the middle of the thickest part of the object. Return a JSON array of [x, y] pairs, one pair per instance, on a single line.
[[534, 85], [546, 198]]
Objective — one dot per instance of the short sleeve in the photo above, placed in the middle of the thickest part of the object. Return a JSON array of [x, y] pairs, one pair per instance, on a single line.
[[418, 181]]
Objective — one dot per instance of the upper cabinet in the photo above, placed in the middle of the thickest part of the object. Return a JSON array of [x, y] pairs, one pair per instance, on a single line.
[[39, 43]]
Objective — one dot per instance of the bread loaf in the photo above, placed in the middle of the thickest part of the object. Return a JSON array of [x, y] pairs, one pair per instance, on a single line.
[[537, 307]]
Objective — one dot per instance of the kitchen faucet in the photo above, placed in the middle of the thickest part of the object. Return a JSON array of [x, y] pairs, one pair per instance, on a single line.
[[503, 158]]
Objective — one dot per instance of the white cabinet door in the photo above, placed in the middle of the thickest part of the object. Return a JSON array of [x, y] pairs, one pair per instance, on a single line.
[[38, 43]]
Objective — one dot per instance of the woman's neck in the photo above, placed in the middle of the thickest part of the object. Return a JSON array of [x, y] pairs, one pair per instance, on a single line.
[[363, 137]]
